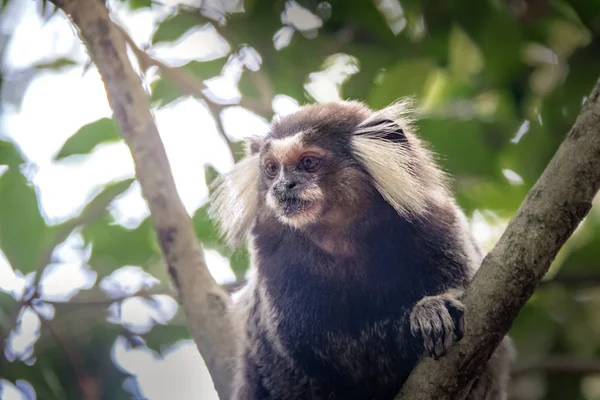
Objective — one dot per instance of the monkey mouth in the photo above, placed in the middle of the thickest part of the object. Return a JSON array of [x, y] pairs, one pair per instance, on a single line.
[[292, 206]]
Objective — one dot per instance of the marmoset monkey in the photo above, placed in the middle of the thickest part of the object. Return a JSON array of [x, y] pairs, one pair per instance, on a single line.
[[359, 256]]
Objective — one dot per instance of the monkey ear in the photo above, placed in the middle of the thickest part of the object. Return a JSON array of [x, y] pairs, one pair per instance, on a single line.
[[386, 129], [253, 145]]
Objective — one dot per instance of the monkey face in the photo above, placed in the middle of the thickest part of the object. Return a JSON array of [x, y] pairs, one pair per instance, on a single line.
[[325, 166], [309, 174], [291, 176]]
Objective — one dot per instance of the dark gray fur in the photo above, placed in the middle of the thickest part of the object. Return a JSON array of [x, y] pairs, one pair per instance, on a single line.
[[317, 325]]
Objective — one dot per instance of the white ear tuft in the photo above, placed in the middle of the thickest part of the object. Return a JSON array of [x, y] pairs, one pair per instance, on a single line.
[[234, 201], [388, 164], [402, 111], [404, 172]]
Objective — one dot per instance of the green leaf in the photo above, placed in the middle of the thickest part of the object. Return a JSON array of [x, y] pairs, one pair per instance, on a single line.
[[501, 197], [138, 4], [535, 327], [9, 154], [115, 246], [584, 258], [206, 69], [239, 262], [161, 337], [85, 140], [465, 57], [7, 307], [238, 149], [56, 65], [110, 191], [165, 91], [95, 208], [395, 82], [462, 144], [210, 174], [174, 26], [206, 230], [22, 227], [210, 238]]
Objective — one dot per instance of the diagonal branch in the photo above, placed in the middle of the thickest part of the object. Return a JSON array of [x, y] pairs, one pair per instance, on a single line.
[[88, 387], [204, 302], [192, 86], [559, 364], [92, 211], [509, 274], [580, 280], [186, 82]]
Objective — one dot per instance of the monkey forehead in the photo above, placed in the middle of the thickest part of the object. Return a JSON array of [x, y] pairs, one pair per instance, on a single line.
[[321, 128], [287, 150], [319, 121]]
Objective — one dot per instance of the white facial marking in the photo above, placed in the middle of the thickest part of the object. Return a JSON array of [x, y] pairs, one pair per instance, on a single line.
[[283, 149]]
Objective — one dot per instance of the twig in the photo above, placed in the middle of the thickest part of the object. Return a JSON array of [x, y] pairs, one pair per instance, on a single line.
[[90, 213], [509, 274], [101, 299], [204, 302], [558, 364], [259, 78], [215, 110], [104, 300], [14, 320], [189, 85], [94, 210], [87, 386], [579, 280]]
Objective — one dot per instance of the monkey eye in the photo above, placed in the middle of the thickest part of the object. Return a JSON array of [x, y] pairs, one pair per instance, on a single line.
[[271, 169], [309, 163]]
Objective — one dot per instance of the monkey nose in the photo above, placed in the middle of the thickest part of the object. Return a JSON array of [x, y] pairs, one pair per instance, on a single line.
[[283, 188], [289, 185]]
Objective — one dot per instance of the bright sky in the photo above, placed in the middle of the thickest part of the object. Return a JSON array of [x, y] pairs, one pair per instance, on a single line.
[[57, 104]]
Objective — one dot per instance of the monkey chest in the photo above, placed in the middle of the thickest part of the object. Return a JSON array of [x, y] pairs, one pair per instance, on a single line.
[[362, 365], [353, 343]]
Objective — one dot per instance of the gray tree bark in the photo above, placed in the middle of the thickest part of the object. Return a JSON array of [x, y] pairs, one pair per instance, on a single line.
[[204, 302], [509, 274]]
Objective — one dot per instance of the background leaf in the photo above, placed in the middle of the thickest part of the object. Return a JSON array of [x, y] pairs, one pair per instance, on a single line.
[[85, 140], [114, 246], [23, 230], [174, 26]]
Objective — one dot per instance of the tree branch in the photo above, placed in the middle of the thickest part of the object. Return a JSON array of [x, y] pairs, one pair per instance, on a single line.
[[580, 280], [192, 86], [204, 302], [88, 388], [559, 364], [186, 82], [97, 297], [93, 298], [509, 274], [91, 212]]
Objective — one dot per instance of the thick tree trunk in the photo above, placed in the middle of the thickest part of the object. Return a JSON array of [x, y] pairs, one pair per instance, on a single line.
[[204, 302]]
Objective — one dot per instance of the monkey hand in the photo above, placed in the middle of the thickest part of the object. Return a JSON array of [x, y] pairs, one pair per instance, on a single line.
[[438, 320]]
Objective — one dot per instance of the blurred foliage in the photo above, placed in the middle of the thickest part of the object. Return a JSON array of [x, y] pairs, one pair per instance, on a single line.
[[499, 83]]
